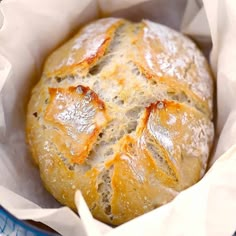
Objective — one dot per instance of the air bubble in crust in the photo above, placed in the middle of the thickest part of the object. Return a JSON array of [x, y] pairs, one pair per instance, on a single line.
[[160, 105]]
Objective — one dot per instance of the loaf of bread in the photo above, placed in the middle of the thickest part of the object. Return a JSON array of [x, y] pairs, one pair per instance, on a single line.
[[122, 112]]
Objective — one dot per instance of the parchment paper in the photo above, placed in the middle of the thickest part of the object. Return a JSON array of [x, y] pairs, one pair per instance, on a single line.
[[30, 30]]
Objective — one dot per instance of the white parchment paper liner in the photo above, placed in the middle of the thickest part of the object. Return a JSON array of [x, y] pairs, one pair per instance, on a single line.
[[30, 30]]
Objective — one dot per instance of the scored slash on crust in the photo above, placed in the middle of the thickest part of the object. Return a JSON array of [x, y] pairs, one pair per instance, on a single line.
[[170, 60], [83, 50], [78, 115]]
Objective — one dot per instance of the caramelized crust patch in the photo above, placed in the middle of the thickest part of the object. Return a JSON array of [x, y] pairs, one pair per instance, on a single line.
[[83, 50], [169, 135], [77, 116], [168, 57], [171, 132], [139, 183]]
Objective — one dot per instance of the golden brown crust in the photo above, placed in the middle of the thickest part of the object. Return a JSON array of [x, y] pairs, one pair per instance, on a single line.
[[137, 168], [122, 112], [83, 50], [169, 61], [134, 175], [78, 116]]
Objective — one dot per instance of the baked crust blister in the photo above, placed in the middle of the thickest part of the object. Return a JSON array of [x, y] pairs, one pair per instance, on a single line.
[[122, 112]]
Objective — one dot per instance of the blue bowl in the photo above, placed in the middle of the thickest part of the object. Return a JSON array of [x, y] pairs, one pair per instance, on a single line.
[[10, 225]]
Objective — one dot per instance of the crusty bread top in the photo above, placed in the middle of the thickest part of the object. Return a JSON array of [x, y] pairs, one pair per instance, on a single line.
[[173, 59], [123, 112], [81, 53]]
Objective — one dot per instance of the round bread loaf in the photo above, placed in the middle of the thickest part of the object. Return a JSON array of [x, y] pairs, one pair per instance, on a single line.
[[122, 112]]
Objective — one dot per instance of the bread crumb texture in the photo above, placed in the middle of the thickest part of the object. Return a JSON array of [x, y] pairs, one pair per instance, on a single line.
[[122, 112]]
